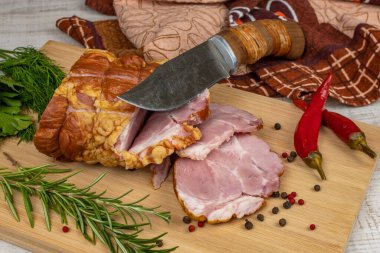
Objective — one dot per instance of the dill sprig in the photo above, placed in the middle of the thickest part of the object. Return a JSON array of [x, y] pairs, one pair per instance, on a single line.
[[34, 76], [95, 215]]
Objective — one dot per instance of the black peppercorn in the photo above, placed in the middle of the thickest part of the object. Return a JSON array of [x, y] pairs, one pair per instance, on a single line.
[[260, 217], [248, 225], [275, 210], [287, 205], [186, 219], [159, 243], [277, 126], [290, 159], [275, 194], [284, 195], [293, 154], [317, 187], [282, 222]]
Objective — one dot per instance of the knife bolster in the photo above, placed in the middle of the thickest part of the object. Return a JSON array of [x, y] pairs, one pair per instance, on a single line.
[[226, 51], [254, 40]]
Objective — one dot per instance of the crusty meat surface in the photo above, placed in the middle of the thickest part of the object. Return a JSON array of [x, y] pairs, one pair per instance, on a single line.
[[231, 182], [85, 121], [223, 123]]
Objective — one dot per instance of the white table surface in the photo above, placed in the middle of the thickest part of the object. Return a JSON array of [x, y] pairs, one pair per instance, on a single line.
[[32, 23]]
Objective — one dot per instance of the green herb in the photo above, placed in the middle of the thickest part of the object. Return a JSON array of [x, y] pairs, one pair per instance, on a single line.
[[93, 212], [28, 81]]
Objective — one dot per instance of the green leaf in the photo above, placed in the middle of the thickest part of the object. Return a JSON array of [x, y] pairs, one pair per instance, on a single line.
[[10, 101], [10, 109], [10, 83], [28, 206], [4, 94], [12, 124]]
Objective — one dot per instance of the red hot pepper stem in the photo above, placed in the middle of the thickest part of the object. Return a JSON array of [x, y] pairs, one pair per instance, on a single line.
[[307, 131]]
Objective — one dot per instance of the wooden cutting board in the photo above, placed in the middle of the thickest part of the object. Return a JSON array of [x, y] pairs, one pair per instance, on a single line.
[[333, 209]]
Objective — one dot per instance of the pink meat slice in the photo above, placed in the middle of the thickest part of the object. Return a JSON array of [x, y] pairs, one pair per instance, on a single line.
[[231, 182], [223, 123], [167, 132], [160, 172]]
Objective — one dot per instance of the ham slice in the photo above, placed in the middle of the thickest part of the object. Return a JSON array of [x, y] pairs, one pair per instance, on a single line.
[[160, 172], [166, 132], [222, 124], [231, 182]]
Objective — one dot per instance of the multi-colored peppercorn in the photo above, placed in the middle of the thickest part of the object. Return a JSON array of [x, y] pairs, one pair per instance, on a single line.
[[284, 195], [65, 229], [312, 226], [284, 155], [287, 205], [292, 201], [317, 188], [293, 154], [301, 202], [201, 224], [248, 225], [290, 159], [191, 228], [159, 243], [294, 194], [275, 194], [275, 210], [260, 217], [186, 219], [277, 126], [282, 222]]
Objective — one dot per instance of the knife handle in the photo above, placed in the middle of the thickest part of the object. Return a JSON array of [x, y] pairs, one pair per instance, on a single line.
[[254, 40]]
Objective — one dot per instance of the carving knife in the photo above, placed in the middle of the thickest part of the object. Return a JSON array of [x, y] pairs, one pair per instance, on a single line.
[[181, 79]]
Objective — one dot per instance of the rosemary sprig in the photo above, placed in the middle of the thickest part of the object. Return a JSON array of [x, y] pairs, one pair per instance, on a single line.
[[93, 213]]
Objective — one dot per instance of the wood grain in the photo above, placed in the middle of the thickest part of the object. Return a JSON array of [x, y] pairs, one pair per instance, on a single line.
[[334, 209]]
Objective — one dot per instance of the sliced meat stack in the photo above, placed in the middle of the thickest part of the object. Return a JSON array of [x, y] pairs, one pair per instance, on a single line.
[[229, 172], [231, 182], [85, 121]]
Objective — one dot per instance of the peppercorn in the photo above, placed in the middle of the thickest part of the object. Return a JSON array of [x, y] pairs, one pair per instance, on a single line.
[[301, 202], [282, 222], [284, 154], [186, 219], [191, 228], [201, 224], [293, 154], [159, 243], [248, 225], [317, 188], [65, 229], [312, 226], [284, 195], [275, 194], [290, 196], [287, 205], [275, 210], [290, 159], [277, 126], [292, 201], [294, 194], [260, 217]]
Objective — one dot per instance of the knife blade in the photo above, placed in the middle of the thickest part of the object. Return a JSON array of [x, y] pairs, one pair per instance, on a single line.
[[181, 79]]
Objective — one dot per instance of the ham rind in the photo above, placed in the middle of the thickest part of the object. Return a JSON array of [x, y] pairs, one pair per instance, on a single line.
[[223, 123], [231, 182], [166, 132], [160, 172]]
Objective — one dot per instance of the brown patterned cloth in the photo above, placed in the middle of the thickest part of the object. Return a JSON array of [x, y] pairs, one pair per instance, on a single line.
[[99, 34], [165, 30], [328, 48], [341, 36]]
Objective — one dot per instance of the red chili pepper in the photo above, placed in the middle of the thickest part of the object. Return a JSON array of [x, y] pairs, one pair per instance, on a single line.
[[344, 128], [307, 131]]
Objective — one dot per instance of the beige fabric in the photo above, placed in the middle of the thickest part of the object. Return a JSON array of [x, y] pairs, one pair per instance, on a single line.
[[194, 1], [165, 30], [345, 16]]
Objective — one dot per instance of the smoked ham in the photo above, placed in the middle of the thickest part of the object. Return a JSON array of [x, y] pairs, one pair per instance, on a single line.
[[223, 123], [85, 121], [232, 181]]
